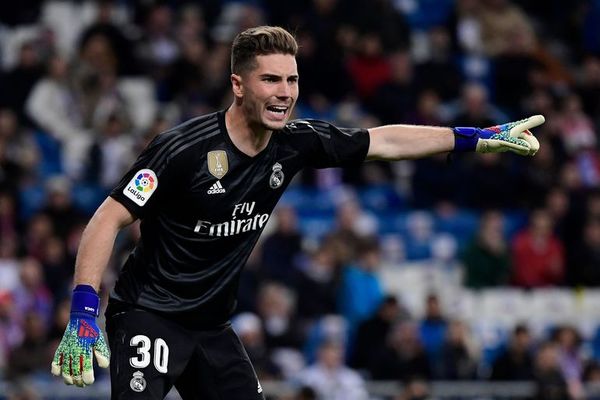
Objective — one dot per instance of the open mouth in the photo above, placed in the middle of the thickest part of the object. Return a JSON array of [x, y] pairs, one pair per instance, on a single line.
[[277, 109]]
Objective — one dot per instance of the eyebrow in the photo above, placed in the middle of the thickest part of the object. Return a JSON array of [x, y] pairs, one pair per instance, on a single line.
[[277, 76]]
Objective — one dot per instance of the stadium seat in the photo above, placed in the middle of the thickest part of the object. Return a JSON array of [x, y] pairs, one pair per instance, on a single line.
[[504, 306]]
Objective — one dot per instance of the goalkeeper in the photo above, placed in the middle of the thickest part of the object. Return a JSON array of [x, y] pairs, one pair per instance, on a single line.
[[204, 191]]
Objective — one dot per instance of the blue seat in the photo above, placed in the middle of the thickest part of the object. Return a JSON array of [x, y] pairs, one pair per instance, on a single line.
[[31, 199], [381, 198], [88, 197], [50, 152]]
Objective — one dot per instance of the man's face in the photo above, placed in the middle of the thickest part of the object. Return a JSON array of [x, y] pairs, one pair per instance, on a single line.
[[269, 92]]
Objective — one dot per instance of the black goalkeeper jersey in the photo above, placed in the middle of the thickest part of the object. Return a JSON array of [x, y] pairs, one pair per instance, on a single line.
[[203, 205]]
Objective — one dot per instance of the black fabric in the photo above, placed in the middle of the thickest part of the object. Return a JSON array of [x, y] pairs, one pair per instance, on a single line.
[[208, 364], [195, 236]]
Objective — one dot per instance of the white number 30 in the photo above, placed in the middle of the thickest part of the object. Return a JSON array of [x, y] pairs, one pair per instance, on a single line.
[[161, 353]]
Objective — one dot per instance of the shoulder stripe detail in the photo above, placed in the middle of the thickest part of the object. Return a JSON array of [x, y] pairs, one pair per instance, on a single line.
[[177, 140], [192, 141]]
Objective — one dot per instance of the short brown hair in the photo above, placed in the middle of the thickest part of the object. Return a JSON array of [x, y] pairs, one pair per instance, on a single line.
[[258, 41]]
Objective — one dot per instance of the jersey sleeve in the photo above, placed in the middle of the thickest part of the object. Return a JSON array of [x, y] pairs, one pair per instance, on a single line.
[[155, 172], [325, 145]]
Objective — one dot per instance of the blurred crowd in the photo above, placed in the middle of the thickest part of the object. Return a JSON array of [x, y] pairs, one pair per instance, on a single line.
[[85, 85]]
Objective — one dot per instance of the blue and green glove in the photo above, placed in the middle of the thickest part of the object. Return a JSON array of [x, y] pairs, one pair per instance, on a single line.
[[82, 340], [513, 136]]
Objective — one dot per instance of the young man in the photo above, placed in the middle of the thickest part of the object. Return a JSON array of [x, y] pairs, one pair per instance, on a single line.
[[204, 191]]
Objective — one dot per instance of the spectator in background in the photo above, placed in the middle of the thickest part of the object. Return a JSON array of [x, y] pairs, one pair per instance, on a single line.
[[18, 152], [158, 48], [53, 105], [515, 363], [32, 296], [575, 127], [330, 378], [475, 108], [59, 207], [112, 151], [487, 258], [403, 357], [9, 264], [39, 229], [586, 259], [11, 331], [465, 27], [353, 224], [394, 98], [281, 249], [538, 255], [18, 82], [483, 193], [433, 327], [58, 268], [508, 37], [372, 333], [549, 380], [589, 86], [32, 355], [105, 25], [458, 356], [360, 291], [440, 72], [318, 282], [8, 218], [570, 361], [501, 22], [249, 328], [275, 305]]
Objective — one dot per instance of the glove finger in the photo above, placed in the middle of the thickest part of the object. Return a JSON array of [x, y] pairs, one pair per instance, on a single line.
[[67, 371], [57, 362], [534, 144], [78, 381], [526, 124], [88, 369], [521, 147], [500, 146], [102, 352]]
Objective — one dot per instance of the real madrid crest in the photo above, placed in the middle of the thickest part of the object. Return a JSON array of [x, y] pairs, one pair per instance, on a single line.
[[218, 165], [277, 176], [137, 383]]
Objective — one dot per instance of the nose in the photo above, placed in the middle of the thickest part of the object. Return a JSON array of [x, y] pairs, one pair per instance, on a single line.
[[284, 91]]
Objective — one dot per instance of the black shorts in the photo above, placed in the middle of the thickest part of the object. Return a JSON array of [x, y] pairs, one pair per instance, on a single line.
[[151, 354]]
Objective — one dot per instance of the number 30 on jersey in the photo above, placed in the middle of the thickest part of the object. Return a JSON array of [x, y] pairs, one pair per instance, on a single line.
[[143, 344]]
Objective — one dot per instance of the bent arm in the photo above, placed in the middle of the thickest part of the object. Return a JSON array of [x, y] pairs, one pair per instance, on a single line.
[[98, 240], [397, 142]]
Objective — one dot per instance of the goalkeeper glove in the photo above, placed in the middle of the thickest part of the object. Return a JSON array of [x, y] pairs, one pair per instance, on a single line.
[[82, 338], [513, 136]]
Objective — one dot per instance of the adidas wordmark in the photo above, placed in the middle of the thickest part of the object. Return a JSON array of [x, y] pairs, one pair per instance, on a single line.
[[216, 188]]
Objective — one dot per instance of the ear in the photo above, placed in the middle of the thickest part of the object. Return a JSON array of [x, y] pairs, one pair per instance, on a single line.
[[237, 85]]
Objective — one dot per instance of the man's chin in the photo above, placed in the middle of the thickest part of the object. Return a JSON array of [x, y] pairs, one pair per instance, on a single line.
[[275, 125]]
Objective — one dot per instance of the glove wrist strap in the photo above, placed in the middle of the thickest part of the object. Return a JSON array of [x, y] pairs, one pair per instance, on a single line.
[[85, 301], [465, 139]]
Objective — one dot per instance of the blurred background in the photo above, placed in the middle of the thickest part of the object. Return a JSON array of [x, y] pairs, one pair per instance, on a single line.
[[473, 277]]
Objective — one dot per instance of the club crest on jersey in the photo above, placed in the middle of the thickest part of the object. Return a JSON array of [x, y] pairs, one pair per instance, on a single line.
[[137, 383], [218, 165], [141, 186], [276, 179]]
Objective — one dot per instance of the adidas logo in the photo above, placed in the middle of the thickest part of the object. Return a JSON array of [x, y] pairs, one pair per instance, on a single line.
[[216, 188], [86, 330]]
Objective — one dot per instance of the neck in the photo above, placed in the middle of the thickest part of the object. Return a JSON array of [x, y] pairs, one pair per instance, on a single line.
[[249, 138]]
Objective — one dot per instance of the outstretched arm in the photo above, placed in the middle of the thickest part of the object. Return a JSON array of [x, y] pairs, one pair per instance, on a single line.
[[98, 240], [83, 339], [397, 142]]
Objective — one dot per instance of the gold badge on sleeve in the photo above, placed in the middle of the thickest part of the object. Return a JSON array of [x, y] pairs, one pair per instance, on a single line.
[[218, 165]]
